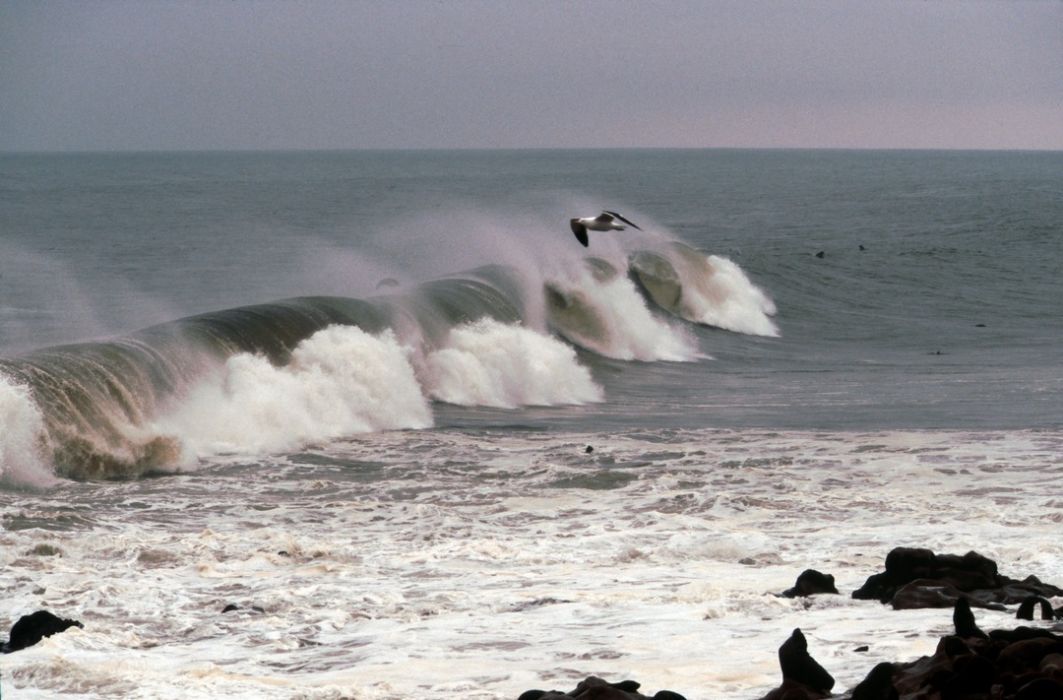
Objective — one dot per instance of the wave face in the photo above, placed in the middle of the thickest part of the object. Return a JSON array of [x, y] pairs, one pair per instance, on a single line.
[[271, 377], [710, 290]]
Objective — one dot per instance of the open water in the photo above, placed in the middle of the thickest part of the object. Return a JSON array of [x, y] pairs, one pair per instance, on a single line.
[[387, 405]]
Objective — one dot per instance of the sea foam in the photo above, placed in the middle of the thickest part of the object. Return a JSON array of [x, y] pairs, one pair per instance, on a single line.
[[488, 363], [339, 382]]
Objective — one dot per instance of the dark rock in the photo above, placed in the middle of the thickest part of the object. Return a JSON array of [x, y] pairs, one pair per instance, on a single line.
[[1002, 664], [593, 688], [588, 449], [230, 608], [811, 582], [1027, 654], [878, 685], [1041, 689], [925, 593], [916, 577], [1021, 634], [970, 675], [34, 627]]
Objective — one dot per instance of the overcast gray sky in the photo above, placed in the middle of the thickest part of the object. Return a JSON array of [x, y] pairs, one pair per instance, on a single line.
[[236, 74]]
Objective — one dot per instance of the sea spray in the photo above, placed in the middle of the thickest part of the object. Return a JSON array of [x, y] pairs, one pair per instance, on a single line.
[[339, 382], [610, 317], [707, 289], [23, 438], [488, 363], [724, 297]]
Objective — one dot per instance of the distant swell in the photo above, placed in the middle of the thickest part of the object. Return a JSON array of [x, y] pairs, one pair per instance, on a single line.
[[275, 376]]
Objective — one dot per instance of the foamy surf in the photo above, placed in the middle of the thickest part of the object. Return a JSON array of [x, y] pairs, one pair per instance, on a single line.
[[396, 566], [607, 315], [339, 382], [487, 363], [343, 382], [707, 289]]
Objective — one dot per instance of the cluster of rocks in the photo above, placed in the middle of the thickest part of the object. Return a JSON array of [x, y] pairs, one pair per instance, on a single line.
[[1024, 663], [918, 578]]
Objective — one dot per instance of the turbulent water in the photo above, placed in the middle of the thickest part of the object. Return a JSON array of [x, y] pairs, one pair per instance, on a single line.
[[387, 405]]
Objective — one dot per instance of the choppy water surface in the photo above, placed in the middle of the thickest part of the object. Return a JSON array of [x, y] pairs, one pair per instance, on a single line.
[[399, 566]]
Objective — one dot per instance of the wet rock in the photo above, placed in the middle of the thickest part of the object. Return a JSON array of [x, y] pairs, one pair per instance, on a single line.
[[594, 688], [1041, 689], [811, 582], [878, 685], [32, 628], [916, 577], [1003, 664]]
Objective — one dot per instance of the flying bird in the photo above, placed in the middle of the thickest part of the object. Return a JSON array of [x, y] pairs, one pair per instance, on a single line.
[[606, 221]]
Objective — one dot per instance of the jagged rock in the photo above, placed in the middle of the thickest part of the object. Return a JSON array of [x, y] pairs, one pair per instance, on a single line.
[[1022, 663], [916, 577]]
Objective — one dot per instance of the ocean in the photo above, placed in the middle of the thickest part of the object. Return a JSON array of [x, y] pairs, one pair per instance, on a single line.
[[428, 445]]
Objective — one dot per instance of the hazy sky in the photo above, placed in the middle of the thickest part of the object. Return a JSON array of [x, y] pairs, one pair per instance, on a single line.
[[234, 74]]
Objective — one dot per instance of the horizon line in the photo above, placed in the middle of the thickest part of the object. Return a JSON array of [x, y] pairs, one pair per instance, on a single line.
[[444, 149]]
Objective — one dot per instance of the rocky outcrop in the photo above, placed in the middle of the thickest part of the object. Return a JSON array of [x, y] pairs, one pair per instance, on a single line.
[[919, 578], [34, 627]]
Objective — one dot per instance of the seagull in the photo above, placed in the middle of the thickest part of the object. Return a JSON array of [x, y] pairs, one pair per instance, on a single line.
[[606, 221]]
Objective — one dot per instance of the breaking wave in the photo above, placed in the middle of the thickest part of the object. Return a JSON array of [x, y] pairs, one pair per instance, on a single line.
[[272, 377]]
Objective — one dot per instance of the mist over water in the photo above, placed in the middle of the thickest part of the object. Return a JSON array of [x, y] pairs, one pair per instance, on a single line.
[[356, 391]]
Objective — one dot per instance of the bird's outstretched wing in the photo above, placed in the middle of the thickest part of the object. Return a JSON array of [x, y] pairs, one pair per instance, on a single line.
[[580, 230], [626, 221]]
